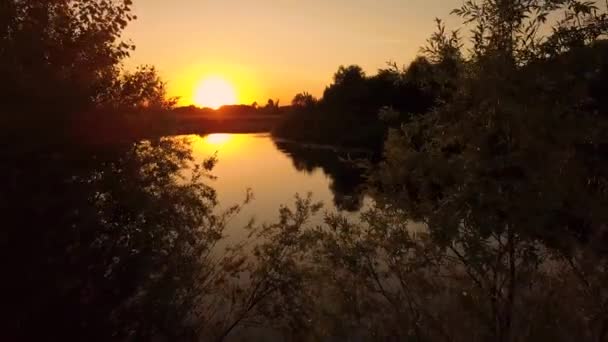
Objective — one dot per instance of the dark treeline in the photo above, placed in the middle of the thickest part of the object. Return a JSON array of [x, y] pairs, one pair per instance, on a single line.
[[367, 105], [489, 221], [271, 108]]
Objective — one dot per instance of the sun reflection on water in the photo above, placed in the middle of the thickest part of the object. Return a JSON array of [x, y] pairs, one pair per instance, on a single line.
[[217, 139]]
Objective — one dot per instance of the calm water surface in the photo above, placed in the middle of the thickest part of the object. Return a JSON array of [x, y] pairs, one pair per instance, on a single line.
[[275, 172]]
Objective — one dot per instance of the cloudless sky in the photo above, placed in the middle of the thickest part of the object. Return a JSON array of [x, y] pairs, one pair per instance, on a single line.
[[277, 48]]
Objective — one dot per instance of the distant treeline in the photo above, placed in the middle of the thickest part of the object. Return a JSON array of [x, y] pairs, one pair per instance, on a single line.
[[271, 108], [228, 119], [356, 110]]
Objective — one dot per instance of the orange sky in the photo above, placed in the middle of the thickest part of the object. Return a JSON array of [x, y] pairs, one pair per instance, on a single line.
[[276, 48]]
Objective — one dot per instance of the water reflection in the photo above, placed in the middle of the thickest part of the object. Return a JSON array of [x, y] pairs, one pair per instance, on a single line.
[[275, 172], [218, 139], [346, 179], [121, 244]]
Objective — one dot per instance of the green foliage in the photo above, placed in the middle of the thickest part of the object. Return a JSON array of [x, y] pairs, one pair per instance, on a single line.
[[487, 156], [506, 173], [386, 277]]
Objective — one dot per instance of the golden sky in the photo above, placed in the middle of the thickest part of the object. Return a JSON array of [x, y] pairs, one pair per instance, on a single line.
[[276, 48]]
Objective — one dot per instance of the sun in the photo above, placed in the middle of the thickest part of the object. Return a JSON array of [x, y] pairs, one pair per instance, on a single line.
[[214, 92]]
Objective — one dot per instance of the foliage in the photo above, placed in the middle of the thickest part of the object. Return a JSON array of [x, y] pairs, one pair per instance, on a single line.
[[386, 277], [127, 250], [142, 88], [507, 172], [359, 102], [61, 62], [304, 101], [53, 49], [354, 100]]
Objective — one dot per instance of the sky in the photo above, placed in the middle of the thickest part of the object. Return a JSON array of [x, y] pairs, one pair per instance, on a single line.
[[276, 48]]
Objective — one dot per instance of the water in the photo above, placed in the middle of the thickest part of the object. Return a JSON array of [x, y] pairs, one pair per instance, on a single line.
[[107, 219], [275, 172]]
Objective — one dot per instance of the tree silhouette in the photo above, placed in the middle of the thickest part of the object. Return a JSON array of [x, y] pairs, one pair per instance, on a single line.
[[51, 49], [61, 62], [355, 100], [489, 220], [480, 169], [304, 101]]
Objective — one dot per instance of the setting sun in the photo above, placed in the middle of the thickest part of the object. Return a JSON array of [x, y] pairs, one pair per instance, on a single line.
[[214, 92]]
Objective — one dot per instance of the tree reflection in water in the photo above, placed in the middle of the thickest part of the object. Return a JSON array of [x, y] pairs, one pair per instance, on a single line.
[[120, 244], [347, 179]]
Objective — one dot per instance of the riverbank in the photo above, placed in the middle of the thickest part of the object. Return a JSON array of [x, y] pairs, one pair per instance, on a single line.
[[326, 147]]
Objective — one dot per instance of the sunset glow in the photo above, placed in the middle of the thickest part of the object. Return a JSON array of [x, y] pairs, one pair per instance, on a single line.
[[217, 139], [214, 92], [278, 48]]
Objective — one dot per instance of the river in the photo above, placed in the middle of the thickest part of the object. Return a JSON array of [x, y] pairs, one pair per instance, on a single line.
[[275, 171]]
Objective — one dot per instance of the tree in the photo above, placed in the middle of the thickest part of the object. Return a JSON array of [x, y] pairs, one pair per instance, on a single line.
[[355, 100], [304, 101], [62, 51], [61, 62], [509, 160], [140, 89], [481, 140], [348, 75]]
